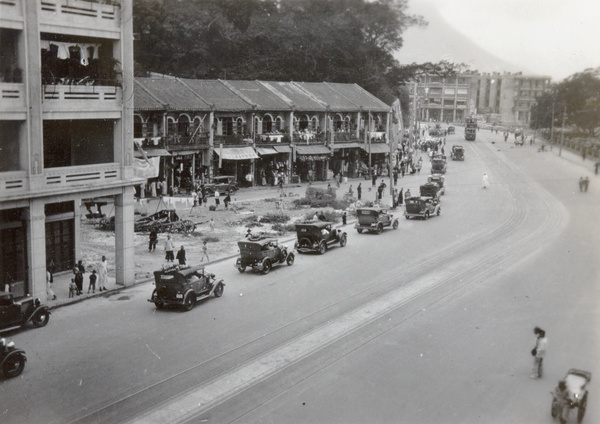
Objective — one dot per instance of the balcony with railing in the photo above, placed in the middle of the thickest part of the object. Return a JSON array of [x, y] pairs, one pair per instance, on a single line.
[[12, 97], [11, 14], [81, 98], [308, 138], [99, 174], [81, 17], [232, 139], [13, 182], [179, 142]]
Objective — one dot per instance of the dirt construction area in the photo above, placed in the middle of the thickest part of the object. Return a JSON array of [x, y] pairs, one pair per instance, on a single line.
[[270, 216]]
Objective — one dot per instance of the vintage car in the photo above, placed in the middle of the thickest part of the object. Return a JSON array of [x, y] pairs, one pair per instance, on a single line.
[[182, 285], [222, 184], [374, 220], [422, 207], [430, 189], [317, 236], [17, 313], [451, 130], [261, 254], [438, 164], [439, 180], [457, 152]]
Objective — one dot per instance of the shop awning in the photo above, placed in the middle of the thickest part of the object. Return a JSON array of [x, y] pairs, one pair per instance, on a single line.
[[317, 149], [236, 153], [151, 153], [376, 147], [282, 149], [266, 151], [338, 146]]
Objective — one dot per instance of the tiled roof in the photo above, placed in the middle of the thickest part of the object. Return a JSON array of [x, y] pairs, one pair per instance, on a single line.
[[301, 100], [218, 94], [258, 94], [173, 93], [167, 93]]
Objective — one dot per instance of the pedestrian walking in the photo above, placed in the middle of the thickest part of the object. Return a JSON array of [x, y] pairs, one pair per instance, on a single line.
[[217, 198], [181, 256], [580, 183], [359, 191], [169, 256], [92, 284], [204, 252], [227, 200], [538, 352], [49, 280], [373, 177], [102, 274], [586, 183], [400, 197], [152, 240], [395, 176], [596, 166], [78, 280], [395, 198], [344, 217], [212, 224], [380, 189], [350, 191], [407, 195], [485, 181]]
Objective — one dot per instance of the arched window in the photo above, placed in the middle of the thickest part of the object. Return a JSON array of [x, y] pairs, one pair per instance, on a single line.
[[171, 126], [279, 124], [267, 125], [239, 126], [183, 125], [304, 123], [138, 127]]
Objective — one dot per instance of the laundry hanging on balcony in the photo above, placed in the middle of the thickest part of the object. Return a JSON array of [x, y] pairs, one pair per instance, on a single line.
[[83, 52]]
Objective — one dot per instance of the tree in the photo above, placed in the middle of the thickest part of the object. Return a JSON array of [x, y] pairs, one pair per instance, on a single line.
[[348, 41]]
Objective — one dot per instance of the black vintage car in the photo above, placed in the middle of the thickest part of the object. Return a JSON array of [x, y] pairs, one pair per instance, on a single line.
[[317, 236], [15, 314], [222, 184], [431, 189], [182, 285], [422, 207], [457, 153], [438, 164], [261, 254]]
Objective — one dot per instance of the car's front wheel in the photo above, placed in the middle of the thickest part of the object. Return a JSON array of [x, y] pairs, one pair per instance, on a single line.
[[322, 247], [379, 228], [343, 240], [439, 211], [241, 268], [13, 366], [189, 302], [219, 290], [267, 266], [41, 318], [290, 259], [395, 224], [360, 230], [427, 215]]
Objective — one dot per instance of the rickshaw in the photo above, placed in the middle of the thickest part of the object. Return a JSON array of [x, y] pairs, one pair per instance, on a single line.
[[575, 397]]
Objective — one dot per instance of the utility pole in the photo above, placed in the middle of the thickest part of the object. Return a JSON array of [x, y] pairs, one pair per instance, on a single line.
[[562, 133]]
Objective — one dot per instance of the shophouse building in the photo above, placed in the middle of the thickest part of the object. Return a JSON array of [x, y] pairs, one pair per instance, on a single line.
[[256, 131], [65, 134]]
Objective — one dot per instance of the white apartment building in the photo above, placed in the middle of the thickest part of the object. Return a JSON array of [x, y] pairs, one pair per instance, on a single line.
[[66, 122]]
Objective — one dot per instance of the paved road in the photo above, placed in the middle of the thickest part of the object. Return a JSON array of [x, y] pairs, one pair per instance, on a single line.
[[429, 323]]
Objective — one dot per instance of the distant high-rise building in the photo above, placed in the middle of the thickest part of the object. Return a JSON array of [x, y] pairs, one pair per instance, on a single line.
[[66, 113], [498, 98]]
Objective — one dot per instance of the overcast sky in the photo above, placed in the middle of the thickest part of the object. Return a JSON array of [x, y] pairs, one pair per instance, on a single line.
[[548, 37]]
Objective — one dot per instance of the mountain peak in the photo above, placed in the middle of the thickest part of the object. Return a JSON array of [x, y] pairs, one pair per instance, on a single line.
[[440, 41]]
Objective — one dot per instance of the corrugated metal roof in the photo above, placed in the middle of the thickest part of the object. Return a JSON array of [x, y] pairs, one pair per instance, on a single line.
[[326, 94], [173, 93], [218, 94], [258, 94]]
